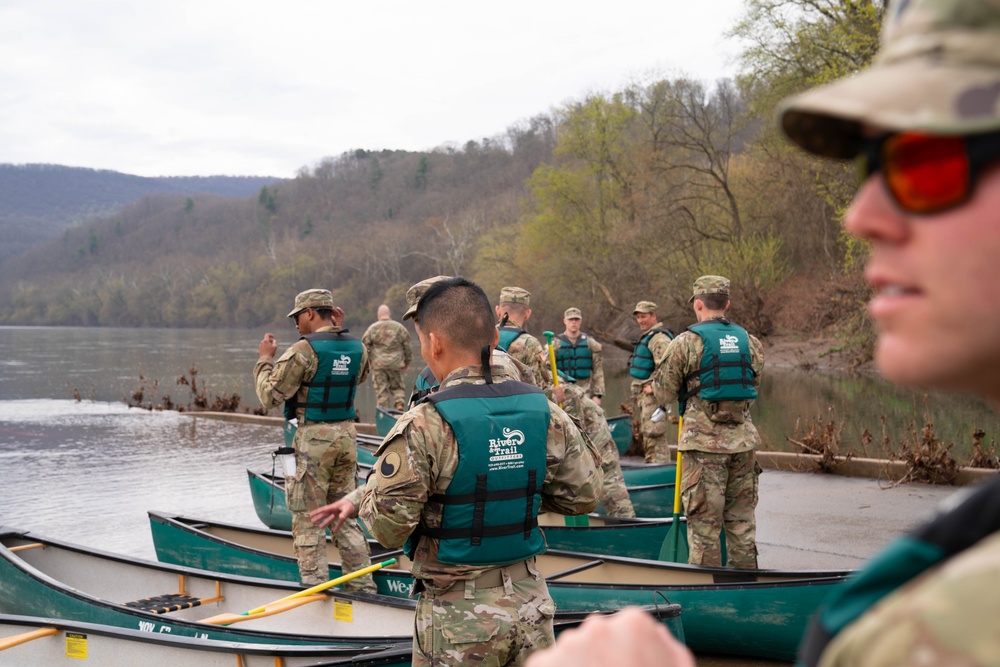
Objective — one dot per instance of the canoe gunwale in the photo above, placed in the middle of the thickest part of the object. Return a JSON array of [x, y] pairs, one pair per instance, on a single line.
[[182, 641]]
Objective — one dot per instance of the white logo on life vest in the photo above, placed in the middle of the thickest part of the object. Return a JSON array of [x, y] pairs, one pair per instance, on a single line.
[[729, 344], [505, 449], [341, 366]]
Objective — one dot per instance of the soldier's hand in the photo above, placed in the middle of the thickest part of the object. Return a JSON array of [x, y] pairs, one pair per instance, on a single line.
[[334, 513], [268, 346], [559, 393], [647, 388], [597, 399], [630, 638]]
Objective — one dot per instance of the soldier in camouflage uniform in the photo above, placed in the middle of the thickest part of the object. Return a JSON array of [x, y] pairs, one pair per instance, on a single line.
[[650, 350], [513, 311], [388, 342], [932, 93], [589, 417], [325, 442], [579, 355], [718, 469], [482, 600]]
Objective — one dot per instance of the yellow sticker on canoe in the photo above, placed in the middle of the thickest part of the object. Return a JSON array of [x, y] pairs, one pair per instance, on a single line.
[[343, 611], [76, 645]]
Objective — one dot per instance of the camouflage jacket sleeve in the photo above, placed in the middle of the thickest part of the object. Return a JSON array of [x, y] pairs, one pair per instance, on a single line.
[[277, 381], [407, 347], [668, 378], [597, 370], [403, 479], [536, 357], [573, 475]]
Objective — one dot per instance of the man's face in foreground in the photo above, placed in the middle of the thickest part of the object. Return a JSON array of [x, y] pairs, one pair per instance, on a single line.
[[937, 287]]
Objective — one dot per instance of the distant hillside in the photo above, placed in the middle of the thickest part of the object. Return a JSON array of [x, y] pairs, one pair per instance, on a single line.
[[367, 224], [39, 201]]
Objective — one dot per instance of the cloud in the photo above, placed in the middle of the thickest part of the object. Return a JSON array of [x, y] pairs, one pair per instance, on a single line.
[[193, 87]]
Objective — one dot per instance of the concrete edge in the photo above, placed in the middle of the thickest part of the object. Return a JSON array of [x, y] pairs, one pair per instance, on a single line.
[[264, 420], [891, 471]]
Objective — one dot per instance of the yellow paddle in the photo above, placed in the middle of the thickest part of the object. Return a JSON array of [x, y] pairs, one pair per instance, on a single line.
[[675, 546], [226, 619]]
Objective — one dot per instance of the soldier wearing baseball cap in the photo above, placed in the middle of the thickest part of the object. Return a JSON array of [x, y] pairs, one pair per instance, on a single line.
[[512, 312], [325, 439], [923, 122], [312, 298], [712, 371], [649, 352], [710, 285], [579, 356]]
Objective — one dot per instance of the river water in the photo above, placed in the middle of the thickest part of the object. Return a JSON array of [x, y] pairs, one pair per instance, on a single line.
[[87, 470]]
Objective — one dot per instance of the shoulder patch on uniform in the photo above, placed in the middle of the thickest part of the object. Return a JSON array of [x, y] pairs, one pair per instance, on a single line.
[[389, 464]]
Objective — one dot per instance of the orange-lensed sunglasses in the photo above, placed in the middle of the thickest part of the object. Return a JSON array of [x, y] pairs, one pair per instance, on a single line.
[[928, 173]]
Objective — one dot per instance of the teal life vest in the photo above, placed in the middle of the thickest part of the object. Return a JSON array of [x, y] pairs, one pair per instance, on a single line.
[[424, 384], [508, 335], [331, 391], [574, 358], [725, 372], [641, 364], [490, 513]]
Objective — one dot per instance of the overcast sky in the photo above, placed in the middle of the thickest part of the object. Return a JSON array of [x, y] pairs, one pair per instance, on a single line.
[[200, 87]]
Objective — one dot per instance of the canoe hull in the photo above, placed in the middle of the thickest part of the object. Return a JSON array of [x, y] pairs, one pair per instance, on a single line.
[[73, 642], [760, 613], [51, 579]]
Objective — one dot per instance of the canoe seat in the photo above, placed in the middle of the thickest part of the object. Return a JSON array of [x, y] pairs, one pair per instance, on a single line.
[[164, 604]]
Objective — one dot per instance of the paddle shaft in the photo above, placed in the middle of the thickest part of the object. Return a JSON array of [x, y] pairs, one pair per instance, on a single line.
[[677, 472], [552, 358], [325, 585]]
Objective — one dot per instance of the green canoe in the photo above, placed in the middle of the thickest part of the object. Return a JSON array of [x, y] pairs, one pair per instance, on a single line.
[[29, 641], [44, 577], [757, 613]]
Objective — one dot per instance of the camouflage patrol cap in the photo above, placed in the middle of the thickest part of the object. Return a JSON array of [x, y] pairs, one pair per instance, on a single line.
[[937, 70], [710, 285], [572, 314], [644, 307], [415, 292], [515, 295], [312, 298]]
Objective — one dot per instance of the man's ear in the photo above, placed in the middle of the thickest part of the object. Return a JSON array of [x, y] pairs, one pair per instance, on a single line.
[[436, 345], [496, 339], [527, 314]]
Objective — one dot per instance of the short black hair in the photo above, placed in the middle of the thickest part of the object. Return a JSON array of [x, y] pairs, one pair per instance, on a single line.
[[713, 301], [459, 310]]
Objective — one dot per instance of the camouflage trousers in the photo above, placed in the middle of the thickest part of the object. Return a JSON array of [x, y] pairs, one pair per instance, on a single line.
[[486, 627], [326, 470], [614, 495], [719, 491], [654, 434], [389, 389]]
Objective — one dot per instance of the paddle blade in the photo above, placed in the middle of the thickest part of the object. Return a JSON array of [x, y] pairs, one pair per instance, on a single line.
[[675, 545]]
